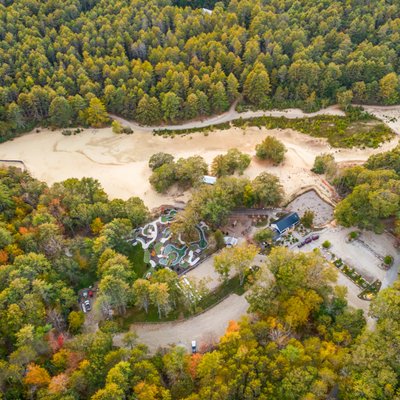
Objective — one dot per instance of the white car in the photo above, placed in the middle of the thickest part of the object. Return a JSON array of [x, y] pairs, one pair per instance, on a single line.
[[194, 347], [87, 305]]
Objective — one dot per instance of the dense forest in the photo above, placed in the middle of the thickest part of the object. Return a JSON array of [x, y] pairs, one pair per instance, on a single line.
[[71, 62], [302, 340]]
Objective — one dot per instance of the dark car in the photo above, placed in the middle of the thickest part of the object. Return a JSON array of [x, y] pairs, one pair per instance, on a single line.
[[308, 240], [315, 237], [301, 244]]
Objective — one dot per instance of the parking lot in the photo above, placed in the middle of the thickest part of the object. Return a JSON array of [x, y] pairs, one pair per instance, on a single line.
[[364, 254]]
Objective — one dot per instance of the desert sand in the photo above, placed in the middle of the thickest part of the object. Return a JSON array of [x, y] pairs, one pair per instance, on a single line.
[[119, 162]]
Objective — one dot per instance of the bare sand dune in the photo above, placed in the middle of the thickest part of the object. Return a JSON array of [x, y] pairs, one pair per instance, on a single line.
[[119, 162]]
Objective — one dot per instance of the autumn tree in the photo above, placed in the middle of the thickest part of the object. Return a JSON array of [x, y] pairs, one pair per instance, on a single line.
[[236, 260], [96, 115]]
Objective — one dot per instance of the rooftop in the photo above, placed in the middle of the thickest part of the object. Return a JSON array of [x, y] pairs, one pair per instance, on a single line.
[[286, 222]]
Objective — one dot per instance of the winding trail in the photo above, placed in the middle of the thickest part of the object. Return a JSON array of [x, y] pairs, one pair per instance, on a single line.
[[231, 115]]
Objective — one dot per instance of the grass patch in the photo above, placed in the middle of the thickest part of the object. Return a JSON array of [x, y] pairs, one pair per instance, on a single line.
[[357, 129], [135, 315], [136, 257], [206, 129]]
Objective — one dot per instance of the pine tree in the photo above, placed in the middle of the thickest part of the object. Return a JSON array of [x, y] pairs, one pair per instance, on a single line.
[[257, 86]]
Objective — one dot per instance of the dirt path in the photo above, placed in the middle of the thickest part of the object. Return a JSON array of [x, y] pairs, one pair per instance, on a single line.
[[231, 115], [204, 328]]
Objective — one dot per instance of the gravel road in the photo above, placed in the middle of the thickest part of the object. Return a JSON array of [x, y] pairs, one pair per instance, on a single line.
[[205, 327]]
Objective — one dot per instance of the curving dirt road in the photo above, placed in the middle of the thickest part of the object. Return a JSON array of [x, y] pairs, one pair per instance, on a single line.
[[205, 328], [231, 115]]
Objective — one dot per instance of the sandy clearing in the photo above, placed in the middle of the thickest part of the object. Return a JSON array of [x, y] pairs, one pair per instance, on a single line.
[[210, 325], [119, 162]]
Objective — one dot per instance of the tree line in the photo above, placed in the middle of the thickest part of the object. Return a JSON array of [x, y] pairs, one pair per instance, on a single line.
[[161, 60]]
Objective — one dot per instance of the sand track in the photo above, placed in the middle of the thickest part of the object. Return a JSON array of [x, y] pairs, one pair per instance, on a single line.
[[119, 162]]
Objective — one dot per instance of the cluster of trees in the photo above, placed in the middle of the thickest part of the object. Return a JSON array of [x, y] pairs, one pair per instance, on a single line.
[[229, 163], [50, 239], [189, 172], [165, 291], [157, 60], [186, 172], [373, 193], [213, 203], [235, 260]]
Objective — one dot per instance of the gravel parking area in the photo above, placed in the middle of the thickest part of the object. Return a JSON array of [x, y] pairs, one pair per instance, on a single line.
[[364, 255], [323, 212]]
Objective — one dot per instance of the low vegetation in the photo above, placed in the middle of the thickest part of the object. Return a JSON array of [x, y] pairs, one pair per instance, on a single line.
[[340, 131], [325, 164]]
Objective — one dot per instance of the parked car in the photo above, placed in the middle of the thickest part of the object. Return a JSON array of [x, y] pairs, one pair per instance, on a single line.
[[301, 244], [315, 237], [83, 308], [87, 305], [308, 240], [194, 347]]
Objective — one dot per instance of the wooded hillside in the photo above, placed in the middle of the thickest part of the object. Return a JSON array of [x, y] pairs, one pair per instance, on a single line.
[[66, 63]]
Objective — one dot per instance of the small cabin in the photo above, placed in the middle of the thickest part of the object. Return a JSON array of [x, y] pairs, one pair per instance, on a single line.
[[284, 224]]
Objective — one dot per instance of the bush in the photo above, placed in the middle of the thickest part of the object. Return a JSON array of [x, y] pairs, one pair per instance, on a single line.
[[388, 260], [159, 159], [264, 235], [116, 127], [307, 219], [271, 149], [67, 132], [353, 235], [327, 244], [323, 164], [219, 239]]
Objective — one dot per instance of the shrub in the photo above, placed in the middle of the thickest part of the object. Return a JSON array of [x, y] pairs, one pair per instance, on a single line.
[[324, 163], [265, 235], [159, 159], [353, 235], [271, 149], [116, 127], [127, 130], [327, 244], [67, 132], [307, 219], [388, 260], [219, 239]]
